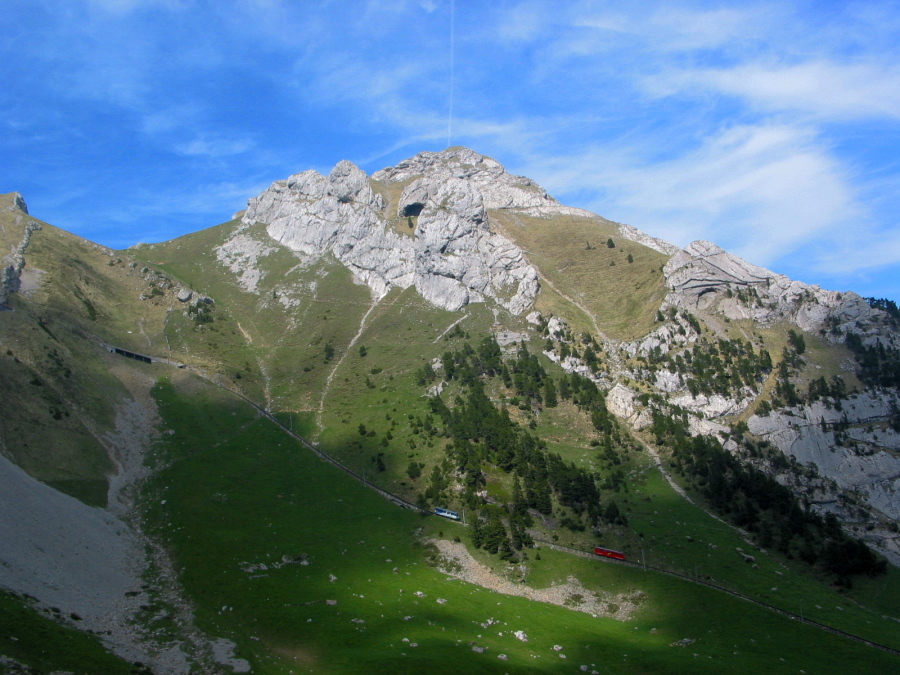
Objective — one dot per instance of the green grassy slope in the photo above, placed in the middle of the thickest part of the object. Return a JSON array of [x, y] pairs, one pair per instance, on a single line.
[[57, 397], [237, 493], [270, 343], [622, 296], [377, 387]]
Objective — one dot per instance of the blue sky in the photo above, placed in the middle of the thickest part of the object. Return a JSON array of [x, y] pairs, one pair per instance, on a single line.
[[772, 129]]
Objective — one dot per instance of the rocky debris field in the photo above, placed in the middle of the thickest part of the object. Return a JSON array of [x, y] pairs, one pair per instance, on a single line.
[[457, 562]]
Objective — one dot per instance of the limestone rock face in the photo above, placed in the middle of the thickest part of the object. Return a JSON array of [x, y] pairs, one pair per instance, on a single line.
[[704, 277], [620, 400], [869, 465], [453, 258], [499, 189], [11, 272], [665, 338], [713, 406], [16, 203], [633, 234], [241, 254]]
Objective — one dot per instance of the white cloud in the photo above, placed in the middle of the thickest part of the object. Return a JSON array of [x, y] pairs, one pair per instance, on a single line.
[[125, 6], [656, 30], [819, 88], [672, 28], [204, 146], [857, 250], [522, 23], [683, 29], [169, 119]]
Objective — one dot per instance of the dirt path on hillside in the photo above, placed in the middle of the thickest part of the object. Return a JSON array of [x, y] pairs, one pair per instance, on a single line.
[[450, 327], [362, 327], [657, 460], [684, 495], [584, 309]]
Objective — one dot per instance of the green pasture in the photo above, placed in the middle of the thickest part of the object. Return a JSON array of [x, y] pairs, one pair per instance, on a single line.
[[234, 493]]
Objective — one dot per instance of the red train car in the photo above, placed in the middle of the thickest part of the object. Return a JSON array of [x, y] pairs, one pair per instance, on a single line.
[[609, 553]]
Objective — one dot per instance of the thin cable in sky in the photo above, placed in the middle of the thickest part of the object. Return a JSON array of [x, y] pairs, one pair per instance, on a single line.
[[452, 49]]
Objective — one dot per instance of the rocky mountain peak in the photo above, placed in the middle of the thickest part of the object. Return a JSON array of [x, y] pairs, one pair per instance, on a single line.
[[14, 202], [453, 257], [499, 189], [348, 183], [703, 277]]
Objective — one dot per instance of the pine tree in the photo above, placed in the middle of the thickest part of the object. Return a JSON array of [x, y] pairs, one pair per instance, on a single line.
[[550, 394]]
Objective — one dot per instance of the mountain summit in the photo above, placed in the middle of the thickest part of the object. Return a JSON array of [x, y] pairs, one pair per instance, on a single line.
[[424, 223]]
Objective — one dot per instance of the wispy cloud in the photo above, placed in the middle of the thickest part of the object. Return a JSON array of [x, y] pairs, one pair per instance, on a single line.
[[762, 191], [204, 146], [124, 6], [768, 127], [670, 28], [820, 89]]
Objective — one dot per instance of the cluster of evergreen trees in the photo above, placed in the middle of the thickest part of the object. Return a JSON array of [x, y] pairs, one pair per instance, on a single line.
[[888, 306], [820, 388], [879, 366], [785, 391], [758, 503], [482, 433], [719, 367]]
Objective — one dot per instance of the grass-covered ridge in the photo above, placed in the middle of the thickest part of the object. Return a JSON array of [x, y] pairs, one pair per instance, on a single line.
[[621, 285], [58, 395]]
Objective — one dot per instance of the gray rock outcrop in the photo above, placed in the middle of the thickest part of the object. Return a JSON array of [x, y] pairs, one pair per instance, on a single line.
[[706, 278], [665, 338], [868, 464], [17, 203], [633, 234], [499, 189], [453, 257], [241, 254], [620, 400], [12, 272]]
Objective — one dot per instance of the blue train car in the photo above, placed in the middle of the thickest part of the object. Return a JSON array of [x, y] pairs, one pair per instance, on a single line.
[[452, 515]]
